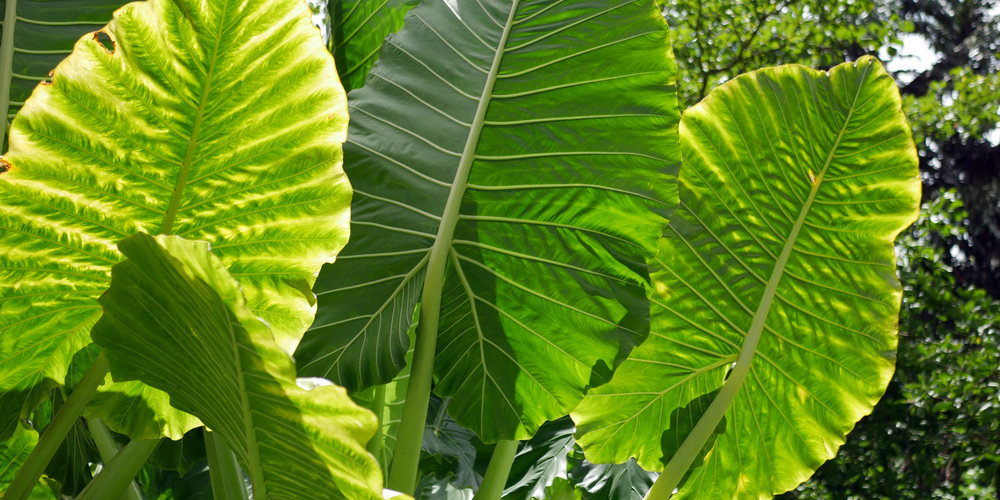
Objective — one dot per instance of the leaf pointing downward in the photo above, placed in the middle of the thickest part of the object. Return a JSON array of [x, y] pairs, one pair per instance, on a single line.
[[176, 320], [779, 258]]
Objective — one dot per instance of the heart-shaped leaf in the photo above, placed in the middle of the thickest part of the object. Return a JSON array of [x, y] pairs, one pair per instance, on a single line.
[[780, 259]]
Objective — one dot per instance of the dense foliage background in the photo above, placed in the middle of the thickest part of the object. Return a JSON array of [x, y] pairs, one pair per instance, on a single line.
[[936, 433]]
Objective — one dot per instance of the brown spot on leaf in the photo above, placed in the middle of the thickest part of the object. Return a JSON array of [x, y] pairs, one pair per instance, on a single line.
[[105, 41], [49, 81], [4, 165]]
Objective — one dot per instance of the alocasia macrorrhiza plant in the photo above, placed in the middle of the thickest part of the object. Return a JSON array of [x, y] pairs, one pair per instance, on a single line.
[[712, 294]]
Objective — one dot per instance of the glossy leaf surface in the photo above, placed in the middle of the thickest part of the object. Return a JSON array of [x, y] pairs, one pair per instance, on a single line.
[[358, 28], [169, 132], [795, 184], [176, 320], [526, 114]]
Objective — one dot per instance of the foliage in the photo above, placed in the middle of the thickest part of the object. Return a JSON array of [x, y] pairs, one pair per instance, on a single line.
[[515, 168], [716, 40]]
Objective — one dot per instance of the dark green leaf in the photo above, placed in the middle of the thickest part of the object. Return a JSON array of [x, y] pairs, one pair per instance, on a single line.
[[526, 114]]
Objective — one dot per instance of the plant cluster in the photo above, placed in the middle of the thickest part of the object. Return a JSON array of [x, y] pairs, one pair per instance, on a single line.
[[504, 261]]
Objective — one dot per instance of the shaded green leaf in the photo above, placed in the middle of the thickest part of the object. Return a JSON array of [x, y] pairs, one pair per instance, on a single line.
[[176, 320], [540, 461], [180, 455], [780, 259], [524, 114], [393, 399], [358, 28], [625, 481]]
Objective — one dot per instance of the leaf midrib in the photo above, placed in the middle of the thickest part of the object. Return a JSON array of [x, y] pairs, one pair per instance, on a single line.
[[182, 177], [681, 462]]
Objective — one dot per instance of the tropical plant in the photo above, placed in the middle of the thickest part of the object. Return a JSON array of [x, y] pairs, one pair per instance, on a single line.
[[525, 244]]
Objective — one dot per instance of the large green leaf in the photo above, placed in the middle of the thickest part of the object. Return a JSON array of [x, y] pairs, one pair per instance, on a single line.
[[493, 140], [779, 259], [358, 28], [176, 320], [36, 35], [232, 139], [13, 452]]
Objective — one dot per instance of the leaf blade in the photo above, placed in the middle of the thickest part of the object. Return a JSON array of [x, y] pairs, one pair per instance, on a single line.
[[722, 281]]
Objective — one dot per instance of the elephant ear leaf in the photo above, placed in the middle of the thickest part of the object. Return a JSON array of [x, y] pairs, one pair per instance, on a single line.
[[221, 121], [175, 319], [778, 265], [487, 153], [358, 28]]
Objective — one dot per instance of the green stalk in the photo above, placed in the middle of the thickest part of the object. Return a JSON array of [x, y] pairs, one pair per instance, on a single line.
[[378, 407], [496, 474], [7, 62], [406, 457], [116, 475], [108, 448], [227, 478], [56, 432]]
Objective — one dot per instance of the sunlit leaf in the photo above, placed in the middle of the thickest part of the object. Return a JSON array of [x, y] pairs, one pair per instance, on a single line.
[[220, 121], [780, 259]]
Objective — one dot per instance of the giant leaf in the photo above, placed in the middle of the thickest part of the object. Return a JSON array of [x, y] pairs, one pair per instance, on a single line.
[[358, 28], [525, 152], [36, 35], [779, 259], [176, 320], [220, 121]]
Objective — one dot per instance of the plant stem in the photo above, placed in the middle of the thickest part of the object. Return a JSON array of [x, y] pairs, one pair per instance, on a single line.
[[227, 478], [108, 448], [406, 456], [496, 474], [6, 64], [378, 407], [27, 477], [117, 474]]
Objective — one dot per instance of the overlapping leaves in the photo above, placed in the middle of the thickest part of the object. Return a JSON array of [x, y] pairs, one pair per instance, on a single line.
[[200, 120], [176, 320]]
